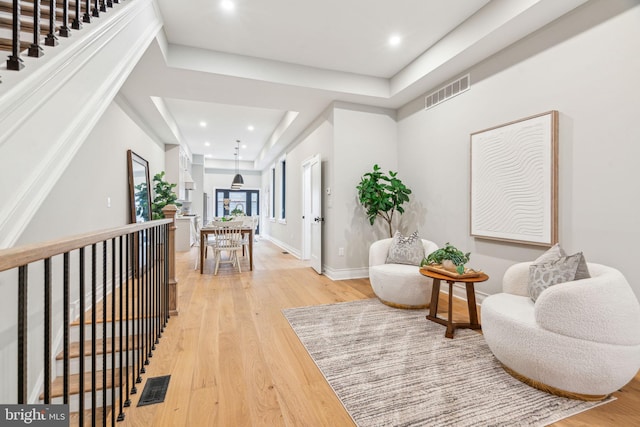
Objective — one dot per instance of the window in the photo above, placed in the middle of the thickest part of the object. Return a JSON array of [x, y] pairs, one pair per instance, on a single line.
[[283, 189], [272, 202], [254, 202]]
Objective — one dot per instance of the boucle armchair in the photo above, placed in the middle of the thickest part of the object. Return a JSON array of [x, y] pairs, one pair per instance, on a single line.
[[580, 339], [399, 285]]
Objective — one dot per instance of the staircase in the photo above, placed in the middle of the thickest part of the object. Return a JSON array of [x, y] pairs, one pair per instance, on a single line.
[[114, 360], [125, 286], [27, 26], [52, 104]]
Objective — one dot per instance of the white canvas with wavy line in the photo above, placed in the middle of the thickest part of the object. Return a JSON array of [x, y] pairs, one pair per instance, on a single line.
[[513, 181]]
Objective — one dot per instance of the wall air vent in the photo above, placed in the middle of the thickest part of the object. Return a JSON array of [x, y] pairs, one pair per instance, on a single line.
[[448, 91]]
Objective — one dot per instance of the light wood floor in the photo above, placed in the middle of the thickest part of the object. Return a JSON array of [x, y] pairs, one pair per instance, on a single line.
[[235, 361]]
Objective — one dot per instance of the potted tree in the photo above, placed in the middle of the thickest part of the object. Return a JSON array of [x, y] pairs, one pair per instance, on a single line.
[[163, 195], [382, 195]]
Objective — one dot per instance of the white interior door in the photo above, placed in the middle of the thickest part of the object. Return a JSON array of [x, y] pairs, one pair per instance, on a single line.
[[306, 210], [312, 222]]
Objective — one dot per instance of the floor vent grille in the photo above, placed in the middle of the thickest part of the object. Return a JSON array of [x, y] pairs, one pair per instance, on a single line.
[[448, 91], [154, 390]]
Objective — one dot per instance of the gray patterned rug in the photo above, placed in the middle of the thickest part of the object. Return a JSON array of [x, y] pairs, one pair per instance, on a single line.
[[392, 367]]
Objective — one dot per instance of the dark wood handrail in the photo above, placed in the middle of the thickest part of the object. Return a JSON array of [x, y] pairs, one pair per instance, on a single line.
[[26, 254]]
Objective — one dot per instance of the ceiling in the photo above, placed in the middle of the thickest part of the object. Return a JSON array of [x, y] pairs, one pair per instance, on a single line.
[[277, 65]]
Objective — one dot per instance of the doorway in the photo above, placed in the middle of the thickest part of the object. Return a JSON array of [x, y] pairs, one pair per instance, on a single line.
[[312, 212], [230, 202]]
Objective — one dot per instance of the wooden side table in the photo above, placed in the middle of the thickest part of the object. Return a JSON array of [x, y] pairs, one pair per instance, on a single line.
[[471, 301]]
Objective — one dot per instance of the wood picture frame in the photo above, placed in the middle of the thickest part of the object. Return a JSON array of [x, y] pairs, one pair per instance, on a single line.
[[139, 188], [514, 181]]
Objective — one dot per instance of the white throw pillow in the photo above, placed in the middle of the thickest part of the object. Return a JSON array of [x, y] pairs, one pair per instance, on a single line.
[[552, 254], [406, 249]]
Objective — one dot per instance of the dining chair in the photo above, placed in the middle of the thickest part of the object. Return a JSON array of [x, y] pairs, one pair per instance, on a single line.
[[197, 243], [227, 238], [248, 222]]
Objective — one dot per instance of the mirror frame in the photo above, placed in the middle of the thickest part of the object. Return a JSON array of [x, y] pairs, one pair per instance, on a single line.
[[133, 158]]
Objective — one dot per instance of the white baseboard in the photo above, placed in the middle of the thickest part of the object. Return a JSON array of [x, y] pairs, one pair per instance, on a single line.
[[345, 273], [460, 292], [293, 251], [331, 273]]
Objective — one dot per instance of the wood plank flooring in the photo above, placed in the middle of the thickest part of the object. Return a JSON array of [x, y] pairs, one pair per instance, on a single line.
[[235, 361]]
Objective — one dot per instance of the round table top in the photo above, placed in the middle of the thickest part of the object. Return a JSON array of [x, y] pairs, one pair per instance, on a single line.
[[435, 275]]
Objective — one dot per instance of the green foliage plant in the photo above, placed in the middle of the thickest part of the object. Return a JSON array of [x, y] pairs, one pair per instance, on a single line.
[[142, 201], [451, 253], [382, 195], [163, 195], [237, 211]]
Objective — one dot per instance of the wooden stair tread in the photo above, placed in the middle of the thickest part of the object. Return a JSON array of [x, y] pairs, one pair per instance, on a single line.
[[74, 417], [25, 23], [7, 44], [44, 4], [26, 13], [100, 321], [26, 9], [57, 385], [74, 347]]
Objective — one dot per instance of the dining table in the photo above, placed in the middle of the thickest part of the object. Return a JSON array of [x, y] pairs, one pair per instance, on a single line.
[[204, 236]]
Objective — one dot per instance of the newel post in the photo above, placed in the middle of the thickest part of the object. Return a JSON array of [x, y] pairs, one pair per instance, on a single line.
[[169, 212]]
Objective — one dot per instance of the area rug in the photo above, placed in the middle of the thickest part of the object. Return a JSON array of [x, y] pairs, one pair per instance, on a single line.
[[392, 367]]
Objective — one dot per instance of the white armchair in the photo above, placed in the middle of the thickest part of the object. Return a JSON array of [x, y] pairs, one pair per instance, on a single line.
[[580, 339], [398, 285]]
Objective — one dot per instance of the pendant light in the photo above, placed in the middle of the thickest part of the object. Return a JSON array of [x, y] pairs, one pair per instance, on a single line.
[[238, 182]]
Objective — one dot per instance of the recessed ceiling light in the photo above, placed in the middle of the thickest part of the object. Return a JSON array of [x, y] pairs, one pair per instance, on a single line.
[[208, 156], [395, 40], [207, 143], [203, 124], [244, 145], [227, 5], [251, 128]]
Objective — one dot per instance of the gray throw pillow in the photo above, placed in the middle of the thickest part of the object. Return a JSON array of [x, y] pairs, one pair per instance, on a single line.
[[583, 271], [542, 276], [406, 249]]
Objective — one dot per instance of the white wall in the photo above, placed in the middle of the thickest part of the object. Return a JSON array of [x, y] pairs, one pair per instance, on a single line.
[[78, 202], [350, 140], [586, 66], [363, 137], [197, 173], [318, 141]]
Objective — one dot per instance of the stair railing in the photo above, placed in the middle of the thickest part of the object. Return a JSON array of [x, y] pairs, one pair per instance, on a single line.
[[14, 61], [126, 273]]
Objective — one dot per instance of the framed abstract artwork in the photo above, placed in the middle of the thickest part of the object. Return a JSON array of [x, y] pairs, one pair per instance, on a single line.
[[514, 181]]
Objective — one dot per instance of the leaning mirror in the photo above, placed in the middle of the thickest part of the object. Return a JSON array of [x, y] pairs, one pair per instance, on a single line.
[[139, 185]]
